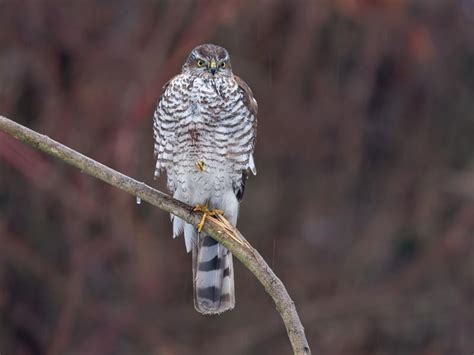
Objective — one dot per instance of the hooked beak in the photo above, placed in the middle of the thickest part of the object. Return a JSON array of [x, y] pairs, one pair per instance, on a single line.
[[213, 66]]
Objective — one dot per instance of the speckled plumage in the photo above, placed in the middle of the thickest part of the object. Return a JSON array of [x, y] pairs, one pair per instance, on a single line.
[[205, 132]]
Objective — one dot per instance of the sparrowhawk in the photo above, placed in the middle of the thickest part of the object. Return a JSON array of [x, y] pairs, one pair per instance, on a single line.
[[205, 127]]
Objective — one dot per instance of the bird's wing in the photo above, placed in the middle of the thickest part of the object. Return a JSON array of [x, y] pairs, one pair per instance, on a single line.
[[252, 107], [164, 128]]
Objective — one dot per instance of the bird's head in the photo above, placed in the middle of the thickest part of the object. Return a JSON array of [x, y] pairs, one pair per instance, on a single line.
[[208, 61]]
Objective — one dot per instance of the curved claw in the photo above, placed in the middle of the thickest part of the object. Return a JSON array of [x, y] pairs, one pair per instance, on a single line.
[[205, 212]]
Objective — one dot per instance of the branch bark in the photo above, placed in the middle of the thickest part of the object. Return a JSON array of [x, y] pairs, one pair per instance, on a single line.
[[218, 228]]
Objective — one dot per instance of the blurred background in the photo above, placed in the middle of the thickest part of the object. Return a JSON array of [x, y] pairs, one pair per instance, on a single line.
[[363, 202]]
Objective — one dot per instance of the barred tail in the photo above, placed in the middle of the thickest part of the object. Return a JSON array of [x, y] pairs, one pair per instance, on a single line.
[[213, 275]]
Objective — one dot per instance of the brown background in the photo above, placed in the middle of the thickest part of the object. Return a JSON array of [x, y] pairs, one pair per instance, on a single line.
[[362, 203]]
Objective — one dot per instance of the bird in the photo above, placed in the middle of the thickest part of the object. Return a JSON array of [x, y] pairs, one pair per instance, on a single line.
[[205, 130]]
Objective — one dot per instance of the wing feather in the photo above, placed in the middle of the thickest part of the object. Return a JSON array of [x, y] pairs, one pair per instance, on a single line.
[[251, 105], [163, 130]]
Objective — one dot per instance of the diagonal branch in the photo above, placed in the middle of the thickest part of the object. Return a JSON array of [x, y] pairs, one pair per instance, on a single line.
[[219, 228]]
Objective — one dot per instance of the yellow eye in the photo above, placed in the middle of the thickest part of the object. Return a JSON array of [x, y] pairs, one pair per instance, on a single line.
[[200, 63], [222, 64]]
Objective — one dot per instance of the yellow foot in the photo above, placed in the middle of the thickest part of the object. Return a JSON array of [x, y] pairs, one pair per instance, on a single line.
[[200, 165], [205, 212]]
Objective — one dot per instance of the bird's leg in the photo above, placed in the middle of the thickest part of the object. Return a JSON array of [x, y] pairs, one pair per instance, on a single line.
[[205, 213]]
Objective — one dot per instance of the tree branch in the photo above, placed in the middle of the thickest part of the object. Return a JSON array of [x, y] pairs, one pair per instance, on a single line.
[[218, 228]]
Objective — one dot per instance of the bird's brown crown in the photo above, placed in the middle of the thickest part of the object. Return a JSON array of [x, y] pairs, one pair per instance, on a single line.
[[208, 51]]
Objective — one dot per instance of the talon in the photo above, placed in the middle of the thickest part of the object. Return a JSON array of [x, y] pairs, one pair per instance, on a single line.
[[201, 223], [205, 212], [199, 208], [200, 165], [215, 212]]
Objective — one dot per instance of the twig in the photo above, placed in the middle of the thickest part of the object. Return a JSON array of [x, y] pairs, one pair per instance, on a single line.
[[220, 229]]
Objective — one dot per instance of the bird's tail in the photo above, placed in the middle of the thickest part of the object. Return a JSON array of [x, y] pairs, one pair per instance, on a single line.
[[213, 276]]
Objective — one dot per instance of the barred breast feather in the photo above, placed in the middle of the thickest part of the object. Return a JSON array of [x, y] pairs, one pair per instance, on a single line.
[[216, 121]]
